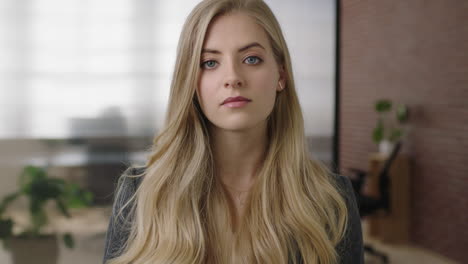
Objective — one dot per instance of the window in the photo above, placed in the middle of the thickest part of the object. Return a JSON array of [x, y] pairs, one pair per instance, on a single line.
[[69, 67]]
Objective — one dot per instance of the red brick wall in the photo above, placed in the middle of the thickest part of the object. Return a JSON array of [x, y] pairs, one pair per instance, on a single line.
[[413, 52]]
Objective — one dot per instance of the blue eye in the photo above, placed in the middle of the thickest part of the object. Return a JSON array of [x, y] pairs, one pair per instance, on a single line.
[[253, 60], [209, 64]]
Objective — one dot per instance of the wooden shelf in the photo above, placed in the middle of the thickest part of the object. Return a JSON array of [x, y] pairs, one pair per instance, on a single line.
[[392, 226]]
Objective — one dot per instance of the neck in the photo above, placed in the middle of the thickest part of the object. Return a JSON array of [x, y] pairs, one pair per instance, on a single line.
[[238, 155]]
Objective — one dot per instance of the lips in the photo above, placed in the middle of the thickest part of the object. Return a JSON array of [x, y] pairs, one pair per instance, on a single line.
[[235, 99]]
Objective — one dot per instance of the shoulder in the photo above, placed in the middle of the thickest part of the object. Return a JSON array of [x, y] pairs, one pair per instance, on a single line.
[[121, 218], [129, 181], [126, 187], [344, 187], [132, 175], [350, 248]]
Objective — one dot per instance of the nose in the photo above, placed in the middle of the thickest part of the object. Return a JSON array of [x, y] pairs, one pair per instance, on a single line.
[[233, 77]]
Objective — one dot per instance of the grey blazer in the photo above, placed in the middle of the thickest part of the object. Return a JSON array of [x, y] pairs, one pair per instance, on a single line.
[[350, 249]]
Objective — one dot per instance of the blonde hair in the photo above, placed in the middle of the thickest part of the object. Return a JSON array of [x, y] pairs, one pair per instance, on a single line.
[[181, 213]]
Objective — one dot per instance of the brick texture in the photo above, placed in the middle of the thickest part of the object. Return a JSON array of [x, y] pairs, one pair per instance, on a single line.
[[413, 52]]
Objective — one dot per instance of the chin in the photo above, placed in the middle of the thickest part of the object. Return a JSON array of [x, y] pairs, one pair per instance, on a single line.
[[238, 125]]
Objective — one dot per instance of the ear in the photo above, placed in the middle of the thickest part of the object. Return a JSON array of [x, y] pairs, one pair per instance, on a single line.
[[282, 79]]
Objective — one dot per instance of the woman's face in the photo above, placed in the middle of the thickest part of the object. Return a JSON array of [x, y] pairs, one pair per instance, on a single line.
[[239, 76]]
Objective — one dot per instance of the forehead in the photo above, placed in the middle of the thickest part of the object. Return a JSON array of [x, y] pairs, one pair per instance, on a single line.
[[233, 30]]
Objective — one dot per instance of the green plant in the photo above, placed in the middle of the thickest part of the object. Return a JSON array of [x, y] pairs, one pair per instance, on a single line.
[[39, 188], [394, 133]]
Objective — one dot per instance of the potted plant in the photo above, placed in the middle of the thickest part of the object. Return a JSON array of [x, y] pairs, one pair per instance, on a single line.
[[39, 189], [387, 132]]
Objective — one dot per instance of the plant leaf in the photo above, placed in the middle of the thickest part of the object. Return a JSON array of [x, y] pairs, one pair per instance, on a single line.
[[68, 240], [38, 216], [402, 113], [6, 228], [383, 105], [62, 208], [7, 200], [395, 135], [378, 132], [31, 173], [77, 197]]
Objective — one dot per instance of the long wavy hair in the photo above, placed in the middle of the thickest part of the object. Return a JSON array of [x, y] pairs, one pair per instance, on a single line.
[[180, 211]]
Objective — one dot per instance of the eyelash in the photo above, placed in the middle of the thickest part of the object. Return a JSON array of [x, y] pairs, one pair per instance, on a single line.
[[259, 60]]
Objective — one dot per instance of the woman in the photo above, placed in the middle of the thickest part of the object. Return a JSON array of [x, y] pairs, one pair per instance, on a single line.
[[229, 179]]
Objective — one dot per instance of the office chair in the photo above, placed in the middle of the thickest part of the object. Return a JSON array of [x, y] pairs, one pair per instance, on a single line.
[[369, 205]]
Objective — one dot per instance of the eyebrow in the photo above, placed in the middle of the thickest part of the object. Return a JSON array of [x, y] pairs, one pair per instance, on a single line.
[[246, 47]]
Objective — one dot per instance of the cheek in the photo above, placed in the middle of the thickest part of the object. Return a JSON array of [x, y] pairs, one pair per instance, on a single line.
[[206, 92], [266, 83], [263, 90], [203, 89]]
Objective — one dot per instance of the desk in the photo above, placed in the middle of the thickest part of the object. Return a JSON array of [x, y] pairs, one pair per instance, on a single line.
[[88, 227], [391, 227]]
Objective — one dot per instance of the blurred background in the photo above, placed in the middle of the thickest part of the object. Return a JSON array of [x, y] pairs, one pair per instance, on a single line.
[[84, 88]]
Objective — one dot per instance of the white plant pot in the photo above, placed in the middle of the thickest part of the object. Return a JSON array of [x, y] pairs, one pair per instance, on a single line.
[[385, 147]]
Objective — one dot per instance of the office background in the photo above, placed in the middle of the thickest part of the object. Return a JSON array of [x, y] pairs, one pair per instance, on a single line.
[[84, 88]]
